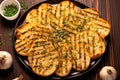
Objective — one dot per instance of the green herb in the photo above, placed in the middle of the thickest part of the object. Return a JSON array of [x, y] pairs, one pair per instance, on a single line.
[[23, 5], [80, 28], [64, 22], [51, 65], [84, 21], [42, 43], [61, 35], [10, 10]]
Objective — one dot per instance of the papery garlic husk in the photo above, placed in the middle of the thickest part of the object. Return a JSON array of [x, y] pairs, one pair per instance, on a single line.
[[108, 73], [5, 60]]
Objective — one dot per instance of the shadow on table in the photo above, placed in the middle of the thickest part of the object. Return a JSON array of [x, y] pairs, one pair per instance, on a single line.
[[6, 72], [7, 23]]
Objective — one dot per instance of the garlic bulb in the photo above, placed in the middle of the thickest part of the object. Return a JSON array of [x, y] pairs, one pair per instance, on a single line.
[[5, 60], [108, 73]]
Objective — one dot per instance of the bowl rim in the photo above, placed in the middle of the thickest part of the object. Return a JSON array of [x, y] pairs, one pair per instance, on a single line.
[[4, 2]]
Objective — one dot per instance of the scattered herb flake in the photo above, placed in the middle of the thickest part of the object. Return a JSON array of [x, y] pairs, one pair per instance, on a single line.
[[23, 5]]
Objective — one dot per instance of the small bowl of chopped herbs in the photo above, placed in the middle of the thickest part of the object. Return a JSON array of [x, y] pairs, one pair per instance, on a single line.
[[10, 9]]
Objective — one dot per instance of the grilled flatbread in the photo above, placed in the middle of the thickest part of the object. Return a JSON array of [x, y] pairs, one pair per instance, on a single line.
[[75, 23], [23, 46], [32, 16], [25, 30], [85, 46], [24, 35], [101, 26], [65, 12], [44, 12], [84, 16], [44, 58], [65, 9], [65, 60], [80, 59], [94, 45], [27, 34]]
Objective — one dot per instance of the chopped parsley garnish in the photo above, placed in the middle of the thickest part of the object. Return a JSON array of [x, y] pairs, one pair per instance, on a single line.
[[10, 10]]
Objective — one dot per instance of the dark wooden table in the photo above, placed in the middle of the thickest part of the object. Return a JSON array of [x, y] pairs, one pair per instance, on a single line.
[[108, 9]]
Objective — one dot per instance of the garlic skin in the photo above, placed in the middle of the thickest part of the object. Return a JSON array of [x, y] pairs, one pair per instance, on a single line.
[[108, 73], [5, 60]]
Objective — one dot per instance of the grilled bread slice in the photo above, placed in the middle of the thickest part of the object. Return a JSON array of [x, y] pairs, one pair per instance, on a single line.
[[65, 60], [32, 16], [25, 30], [65, 9], [84, 16], [87, 15], [26, 35], [44, 12], [80, 59], [65, 12], [23, 46], [44, 58], [28, 29], [75, 21], [94, 44], [101, 26], [91, 42], [89, 12]]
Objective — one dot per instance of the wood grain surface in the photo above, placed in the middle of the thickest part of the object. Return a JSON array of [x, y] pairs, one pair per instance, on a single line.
[[108, 9]]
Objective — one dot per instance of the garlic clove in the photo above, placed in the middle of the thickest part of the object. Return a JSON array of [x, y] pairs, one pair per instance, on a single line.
[[108, 73], [5, 60]]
